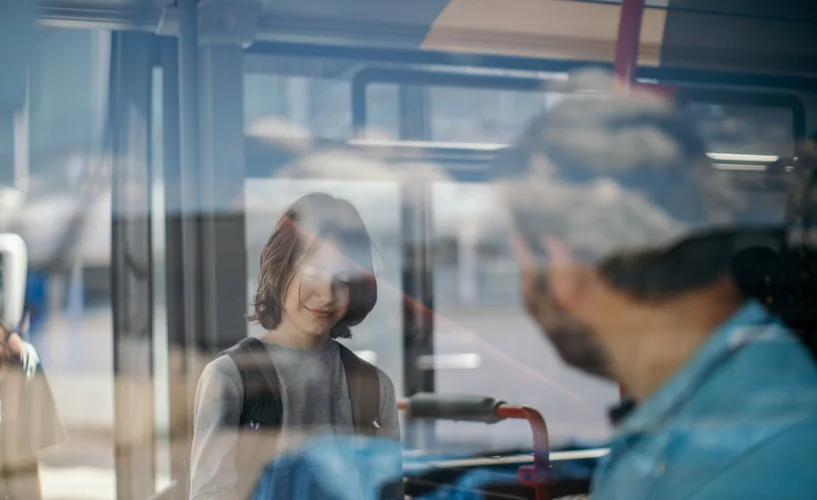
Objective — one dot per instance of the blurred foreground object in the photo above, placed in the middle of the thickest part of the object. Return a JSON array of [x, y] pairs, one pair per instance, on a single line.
[[337, 467]]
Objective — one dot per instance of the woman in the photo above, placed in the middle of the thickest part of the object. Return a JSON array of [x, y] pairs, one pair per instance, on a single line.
[[316, 282], [28, 417]]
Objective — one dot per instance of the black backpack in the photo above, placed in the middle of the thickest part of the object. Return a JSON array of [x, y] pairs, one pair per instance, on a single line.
[[262, 407]]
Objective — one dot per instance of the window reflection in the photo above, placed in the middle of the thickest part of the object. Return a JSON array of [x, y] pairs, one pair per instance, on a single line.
[[733, 128], [478, 316], [65, 221], [475, 277]]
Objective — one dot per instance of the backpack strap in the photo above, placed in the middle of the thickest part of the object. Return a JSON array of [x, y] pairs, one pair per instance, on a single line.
[[261, 386], [364, 391], [261, 410]]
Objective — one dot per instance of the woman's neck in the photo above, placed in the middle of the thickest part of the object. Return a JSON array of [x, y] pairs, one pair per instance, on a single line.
[[288, 335]]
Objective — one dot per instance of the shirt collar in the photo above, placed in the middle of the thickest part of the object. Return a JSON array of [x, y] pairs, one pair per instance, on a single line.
[[737, 331]]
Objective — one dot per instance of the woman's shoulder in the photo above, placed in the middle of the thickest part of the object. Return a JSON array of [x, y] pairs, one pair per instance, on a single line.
[[219, 385], [223, 369]]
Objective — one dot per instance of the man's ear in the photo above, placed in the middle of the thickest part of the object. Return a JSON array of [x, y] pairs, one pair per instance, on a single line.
[[566, 275]]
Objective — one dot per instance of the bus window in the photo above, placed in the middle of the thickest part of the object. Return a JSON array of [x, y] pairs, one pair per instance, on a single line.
[[745, 129], [480, 323], [310, 94], [481, 115], [479, 327], [65, 221], [483, 341], [759, 130], [309, 98]]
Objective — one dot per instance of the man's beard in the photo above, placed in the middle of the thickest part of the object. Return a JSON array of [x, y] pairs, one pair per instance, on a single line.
[[573, 340]]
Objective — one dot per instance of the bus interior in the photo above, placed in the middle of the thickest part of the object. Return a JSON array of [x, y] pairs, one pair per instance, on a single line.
[[147, 147]]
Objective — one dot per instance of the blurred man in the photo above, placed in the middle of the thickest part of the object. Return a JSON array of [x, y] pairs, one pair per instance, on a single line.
[[630, 279]]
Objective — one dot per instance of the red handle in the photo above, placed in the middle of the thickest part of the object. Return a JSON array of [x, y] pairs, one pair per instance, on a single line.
[[628, 41], [534, 476]]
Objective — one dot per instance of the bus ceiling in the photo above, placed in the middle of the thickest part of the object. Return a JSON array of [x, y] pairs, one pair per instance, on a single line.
[[727, 35]]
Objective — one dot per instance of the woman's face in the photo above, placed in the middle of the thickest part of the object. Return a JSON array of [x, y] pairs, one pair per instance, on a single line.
[[318, 296]]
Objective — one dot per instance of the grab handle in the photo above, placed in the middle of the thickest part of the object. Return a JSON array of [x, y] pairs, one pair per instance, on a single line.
[[452, 407]]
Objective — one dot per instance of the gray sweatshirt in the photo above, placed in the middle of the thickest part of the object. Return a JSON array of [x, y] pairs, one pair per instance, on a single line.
[[315, 400]]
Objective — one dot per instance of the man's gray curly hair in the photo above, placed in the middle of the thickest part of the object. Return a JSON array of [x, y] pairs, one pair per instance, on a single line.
[[622, 180]]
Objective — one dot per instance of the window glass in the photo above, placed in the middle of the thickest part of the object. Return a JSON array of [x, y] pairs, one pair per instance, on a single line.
[[493, 348], [65, 221], [312, 96], [161, 377], [744, 129], [482, 115], [747, 130], [289, 97], [484, 343]]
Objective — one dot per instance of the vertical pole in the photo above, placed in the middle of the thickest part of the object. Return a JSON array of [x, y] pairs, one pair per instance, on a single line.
[[628, 41], [132, 264], [189, 169], [418, 234], [189, 236], [190, 206], [178, 386], [224, 253], [626, 62], [209, 230]]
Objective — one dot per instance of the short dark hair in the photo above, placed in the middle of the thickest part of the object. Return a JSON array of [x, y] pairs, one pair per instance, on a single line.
[[329, 218], [649, 149]]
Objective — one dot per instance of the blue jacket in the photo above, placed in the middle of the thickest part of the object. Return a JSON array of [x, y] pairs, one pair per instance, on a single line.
[[335, 467], [739, 420]]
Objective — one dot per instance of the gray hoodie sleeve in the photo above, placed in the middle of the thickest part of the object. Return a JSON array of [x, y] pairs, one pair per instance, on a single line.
[[217, 411]]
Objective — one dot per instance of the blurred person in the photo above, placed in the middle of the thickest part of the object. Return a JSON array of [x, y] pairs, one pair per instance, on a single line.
[[338, 468], [264, 396], [629, 280], [28, 417]]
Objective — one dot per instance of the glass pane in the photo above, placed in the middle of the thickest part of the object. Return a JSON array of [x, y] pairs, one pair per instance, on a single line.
[[65, 220], [311, 98], [482, 115], [161, 395], [318, 105], [484, 342], [303, 95], [744, 129], [480, 322]]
